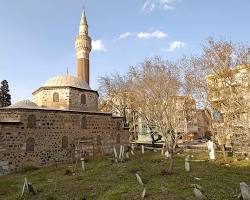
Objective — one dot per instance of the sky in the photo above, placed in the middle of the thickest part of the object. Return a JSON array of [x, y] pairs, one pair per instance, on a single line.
[[37, 36]]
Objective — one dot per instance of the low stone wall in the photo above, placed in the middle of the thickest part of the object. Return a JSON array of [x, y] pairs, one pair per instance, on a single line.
[[42, 137]]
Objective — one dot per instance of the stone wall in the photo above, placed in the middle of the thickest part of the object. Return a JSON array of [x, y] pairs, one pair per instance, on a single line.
[[69, 98], [75, 100], [44, 97], [43, 137]]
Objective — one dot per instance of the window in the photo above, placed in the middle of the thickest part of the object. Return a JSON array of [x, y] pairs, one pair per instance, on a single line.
[[83, 99], [84, 122], [55, 97], [99, 140], [30, 144], [65, 142], [118, 138], [31, 121]]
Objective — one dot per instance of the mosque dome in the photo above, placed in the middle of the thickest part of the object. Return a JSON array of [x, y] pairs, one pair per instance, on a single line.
[[24, 104], [67, 80]]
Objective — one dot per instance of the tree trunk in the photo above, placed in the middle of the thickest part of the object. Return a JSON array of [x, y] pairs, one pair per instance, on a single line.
[[222, 146], [171, 164]]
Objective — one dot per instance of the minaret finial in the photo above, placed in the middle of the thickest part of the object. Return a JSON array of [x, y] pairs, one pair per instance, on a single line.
[[83, 29]]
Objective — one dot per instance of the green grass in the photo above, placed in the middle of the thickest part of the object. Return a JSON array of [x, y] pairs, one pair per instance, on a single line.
[[105, 179]]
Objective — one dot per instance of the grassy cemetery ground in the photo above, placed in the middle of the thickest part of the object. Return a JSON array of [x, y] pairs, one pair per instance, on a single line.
[[105, 179]]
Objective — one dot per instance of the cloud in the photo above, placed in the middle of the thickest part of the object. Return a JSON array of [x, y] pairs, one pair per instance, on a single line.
[[154, 34], [125, 35], [144, 35], [176, 45], [151, 5], [97, 45]]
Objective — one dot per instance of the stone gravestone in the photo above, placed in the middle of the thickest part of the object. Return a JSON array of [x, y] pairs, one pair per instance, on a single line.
[[187, 164], [245, 191]]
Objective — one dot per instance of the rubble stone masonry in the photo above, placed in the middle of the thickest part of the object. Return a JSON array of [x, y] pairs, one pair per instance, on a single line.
[[37, 137]]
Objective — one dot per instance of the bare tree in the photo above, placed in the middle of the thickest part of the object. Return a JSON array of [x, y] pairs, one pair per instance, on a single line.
[[213, 75], [154, 83], [117, 97]]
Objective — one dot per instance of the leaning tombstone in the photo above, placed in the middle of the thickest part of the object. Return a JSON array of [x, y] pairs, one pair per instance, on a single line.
[[115, 153], [245, 191], [143, 193], [27, 186], [120, 154], [139, 179], [198, 194]]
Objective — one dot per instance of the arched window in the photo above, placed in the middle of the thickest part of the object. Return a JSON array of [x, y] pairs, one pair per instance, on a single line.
[[83, 99], [84, 122], [31, 121], [99, 140], [118, 138], [65, 142], [30, 144], [55, 97]]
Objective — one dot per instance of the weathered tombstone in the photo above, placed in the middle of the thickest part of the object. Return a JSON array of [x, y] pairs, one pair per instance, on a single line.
[[167, 154], [198, 194], [162, 150], [142, 149], [245, 191], [83, 164], [210, 147], [25, 186], [187, 164], [115, 153], [139, 179], [28, 187], [132, 147], [143, 193], [120, 154], [127, 155]]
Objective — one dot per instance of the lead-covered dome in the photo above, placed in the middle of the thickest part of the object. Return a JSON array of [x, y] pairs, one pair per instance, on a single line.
[[24, 104], [67, 80]]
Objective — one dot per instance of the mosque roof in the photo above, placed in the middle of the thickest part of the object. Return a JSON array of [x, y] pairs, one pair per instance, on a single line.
[[67, 80], [23, 104]]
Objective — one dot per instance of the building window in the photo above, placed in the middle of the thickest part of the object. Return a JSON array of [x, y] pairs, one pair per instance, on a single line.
[[31, 121], [118, 138], [99, 140], [65, 142], [84, 122], [55, 97], [83, 99], [30, 144]]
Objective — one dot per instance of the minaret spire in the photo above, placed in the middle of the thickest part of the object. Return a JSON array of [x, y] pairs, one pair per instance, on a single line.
[[83, 48], [83, 28]]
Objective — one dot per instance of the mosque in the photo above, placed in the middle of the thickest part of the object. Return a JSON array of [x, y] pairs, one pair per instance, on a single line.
[[62, 122]]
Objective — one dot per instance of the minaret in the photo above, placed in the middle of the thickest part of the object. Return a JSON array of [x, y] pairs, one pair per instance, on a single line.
[[83, 48]]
